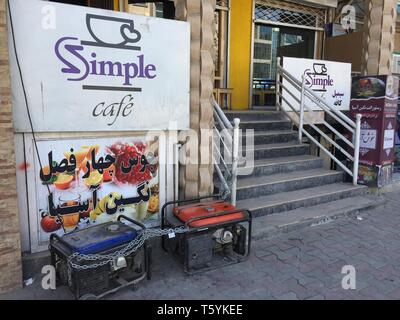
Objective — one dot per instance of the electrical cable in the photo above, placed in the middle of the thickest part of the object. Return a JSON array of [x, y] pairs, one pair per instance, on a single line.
[[24, 91]]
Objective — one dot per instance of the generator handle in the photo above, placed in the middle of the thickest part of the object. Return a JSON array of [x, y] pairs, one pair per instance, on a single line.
[[219, 214], [54, 236], [163, 211], [142, 226]]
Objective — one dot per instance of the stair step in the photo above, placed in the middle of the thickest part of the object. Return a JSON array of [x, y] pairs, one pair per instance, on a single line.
[[287, 201], [253, 187], [264, 125], [253, 115], [274, 150], [274, 224], [263, 108], [280, 165], [268, 137]]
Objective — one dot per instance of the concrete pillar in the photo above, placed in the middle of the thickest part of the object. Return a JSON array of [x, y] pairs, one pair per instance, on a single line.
[[10, 248], [197, 178], [378, 38]]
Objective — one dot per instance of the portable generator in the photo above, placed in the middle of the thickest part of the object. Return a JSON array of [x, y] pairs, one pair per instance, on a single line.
[[218, 234], [93, 279]]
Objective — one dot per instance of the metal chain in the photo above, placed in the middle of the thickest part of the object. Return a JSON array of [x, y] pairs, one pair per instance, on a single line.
[[132, 246]]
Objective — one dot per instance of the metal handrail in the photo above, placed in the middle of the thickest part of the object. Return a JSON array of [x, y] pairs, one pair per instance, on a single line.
[[228, 176], [353, 127], [221, 114]]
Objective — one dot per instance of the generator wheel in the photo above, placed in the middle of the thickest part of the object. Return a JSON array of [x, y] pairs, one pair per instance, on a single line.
[[88, 296]]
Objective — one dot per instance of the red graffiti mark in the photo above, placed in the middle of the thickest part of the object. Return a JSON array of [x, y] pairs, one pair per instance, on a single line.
[[23, 166]]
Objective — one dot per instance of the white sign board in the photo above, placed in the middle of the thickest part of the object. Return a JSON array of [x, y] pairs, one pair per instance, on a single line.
[[368, 139], [87, 69], [329, 80], [388, 139]]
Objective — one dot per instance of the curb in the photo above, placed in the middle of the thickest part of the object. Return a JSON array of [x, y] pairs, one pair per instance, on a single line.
[[274, 231]]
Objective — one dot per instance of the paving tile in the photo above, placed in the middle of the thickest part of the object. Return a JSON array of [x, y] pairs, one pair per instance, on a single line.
[[287, 296], [316, 297]]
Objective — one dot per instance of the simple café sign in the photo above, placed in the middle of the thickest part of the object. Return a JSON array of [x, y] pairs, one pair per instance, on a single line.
[[328, 79], [87, 69]]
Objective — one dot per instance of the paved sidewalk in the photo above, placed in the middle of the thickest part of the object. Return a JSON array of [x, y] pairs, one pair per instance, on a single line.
[[303, 264]]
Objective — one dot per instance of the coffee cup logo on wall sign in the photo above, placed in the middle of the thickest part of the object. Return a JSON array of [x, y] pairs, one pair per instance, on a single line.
[[102, 70], [127, 25]]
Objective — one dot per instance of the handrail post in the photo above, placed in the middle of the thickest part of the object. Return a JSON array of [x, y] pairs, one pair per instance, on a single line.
[[277, 85], [235, 158], [301, 115], [356, 148]]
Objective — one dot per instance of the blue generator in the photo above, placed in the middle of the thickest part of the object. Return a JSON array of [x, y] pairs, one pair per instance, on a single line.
[[102, 260]]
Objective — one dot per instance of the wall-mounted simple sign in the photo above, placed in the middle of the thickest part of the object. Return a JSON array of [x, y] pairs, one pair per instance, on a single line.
[[87, 69], [329, 80]]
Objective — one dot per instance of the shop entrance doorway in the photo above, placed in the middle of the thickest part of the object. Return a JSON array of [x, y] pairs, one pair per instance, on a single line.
[[271, 42]]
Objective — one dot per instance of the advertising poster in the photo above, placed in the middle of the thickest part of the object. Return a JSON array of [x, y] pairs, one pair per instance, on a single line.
[[90, 181], [376, 98], [397, 143]]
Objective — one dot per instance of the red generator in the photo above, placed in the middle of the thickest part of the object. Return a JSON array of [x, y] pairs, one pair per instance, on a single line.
[[218, 233]]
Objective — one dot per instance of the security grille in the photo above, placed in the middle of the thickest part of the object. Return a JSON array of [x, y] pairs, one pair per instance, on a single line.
[[290, 13]]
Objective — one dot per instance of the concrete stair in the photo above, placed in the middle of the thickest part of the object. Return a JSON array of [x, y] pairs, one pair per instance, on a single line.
[[273, 150], [307, 197], [263, 167], [284, 177], [253, 115], [273, 136], [284, 182], [257, 125]]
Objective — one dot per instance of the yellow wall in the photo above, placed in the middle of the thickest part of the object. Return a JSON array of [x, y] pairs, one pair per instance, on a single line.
[[240, 52]]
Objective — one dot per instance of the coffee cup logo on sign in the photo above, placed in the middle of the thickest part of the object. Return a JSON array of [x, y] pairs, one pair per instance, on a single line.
[[125, 25]]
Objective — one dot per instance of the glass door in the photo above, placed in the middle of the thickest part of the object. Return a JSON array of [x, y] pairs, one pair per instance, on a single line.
[[269, 43]]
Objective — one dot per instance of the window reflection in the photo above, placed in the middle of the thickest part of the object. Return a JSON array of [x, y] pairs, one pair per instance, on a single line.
[[269, 43]]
